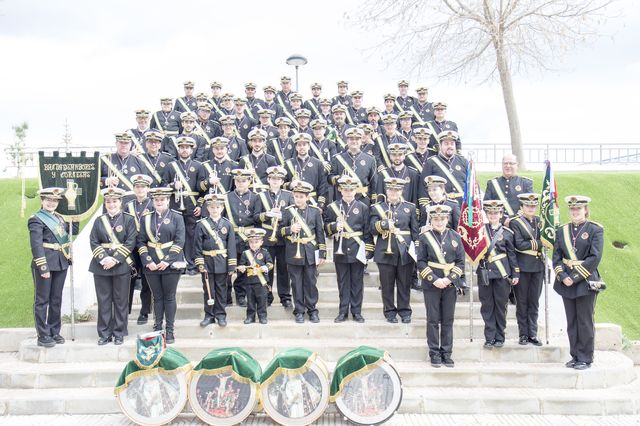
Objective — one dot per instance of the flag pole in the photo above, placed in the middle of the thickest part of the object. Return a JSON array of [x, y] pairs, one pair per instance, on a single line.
[[71, 290], [471, 305], [547, 278]]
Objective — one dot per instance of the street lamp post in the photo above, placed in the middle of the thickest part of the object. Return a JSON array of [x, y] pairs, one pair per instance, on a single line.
[[296, 60]]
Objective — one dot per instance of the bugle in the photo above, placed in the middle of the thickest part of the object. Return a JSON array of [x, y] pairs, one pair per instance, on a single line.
[[340, 235]]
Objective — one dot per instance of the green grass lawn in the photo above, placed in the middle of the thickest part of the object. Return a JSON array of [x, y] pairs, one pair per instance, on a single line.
[[614, 206]]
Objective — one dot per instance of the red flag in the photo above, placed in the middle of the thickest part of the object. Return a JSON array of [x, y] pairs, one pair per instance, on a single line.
[[471, 227]]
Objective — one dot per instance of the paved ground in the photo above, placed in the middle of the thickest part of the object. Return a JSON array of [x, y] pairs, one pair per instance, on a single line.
[[334, 419]]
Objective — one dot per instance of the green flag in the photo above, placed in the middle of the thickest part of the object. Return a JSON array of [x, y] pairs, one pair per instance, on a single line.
[[549, 212]]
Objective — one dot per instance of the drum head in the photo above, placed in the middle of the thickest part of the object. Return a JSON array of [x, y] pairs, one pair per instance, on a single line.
[[154, 399], [371, 398], [297, 399], [220, 399]]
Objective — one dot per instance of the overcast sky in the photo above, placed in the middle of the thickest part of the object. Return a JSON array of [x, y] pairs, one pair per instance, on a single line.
[[94, 63]]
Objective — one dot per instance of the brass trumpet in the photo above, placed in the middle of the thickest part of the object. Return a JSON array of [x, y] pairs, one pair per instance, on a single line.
[[296, 237], [340, 235], [179, 194], [213, 189], [391, 231], [274, 224]]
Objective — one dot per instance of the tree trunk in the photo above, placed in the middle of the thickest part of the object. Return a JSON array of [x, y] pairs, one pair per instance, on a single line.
[[510, 106]]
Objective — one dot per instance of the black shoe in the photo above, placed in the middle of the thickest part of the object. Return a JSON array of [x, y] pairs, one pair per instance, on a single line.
[[299, 318], [104, 340], [512, 298], [263, 320], [523, 340], [143, 319], [498, 344], [222, 322], [358, 318], [287, 304], [436, 361], [392, 320], [170, 339], [570, 364], [58, 339], [314, 318], [534, 341], [249, 320], [206, 321], [447, 361], [118, 340], [489, 344], [406, 320], [340, 318], [242, 301], [582, 365], [46, 341]]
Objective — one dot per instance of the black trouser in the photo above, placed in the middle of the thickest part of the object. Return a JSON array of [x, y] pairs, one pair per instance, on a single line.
[[163, 287], [441, 307], [279, 256], [350, 287], [218, 287], [145, 292], [47, 302], [580, 326], [494, 299], [112, 292], [528, 292], [239, 283], [303, 285], [256, 300], [396, 276], [190, 241]]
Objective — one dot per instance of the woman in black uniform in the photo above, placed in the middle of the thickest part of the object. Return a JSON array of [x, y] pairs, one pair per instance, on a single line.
[[576, 255], [161, 244], [112, 239]]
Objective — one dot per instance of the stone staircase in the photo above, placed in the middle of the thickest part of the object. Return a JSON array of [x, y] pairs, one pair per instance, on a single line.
[[78, 377]]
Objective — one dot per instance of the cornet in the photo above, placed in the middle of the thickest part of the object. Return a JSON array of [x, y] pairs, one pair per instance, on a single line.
[[339, 237], [296, 237], [274, 224], [179, 194], [213, 189], [391, 231]]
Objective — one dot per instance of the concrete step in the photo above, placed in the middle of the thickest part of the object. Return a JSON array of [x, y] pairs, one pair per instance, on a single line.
[[400, 349], [623, 399], [371, 310], [611, 369]]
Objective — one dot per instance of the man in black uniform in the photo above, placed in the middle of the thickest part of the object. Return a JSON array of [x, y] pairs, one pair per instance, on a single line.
[[216, 97], [295, 105], [439, 124], [49, 238], [497, 271], [322, 148], [243, 121], [507, 187], [404, 102], [152, 161], [447, 164], [270, 103], [440, 264], [112, 239], [405, 119], [264, 118], [398, 169], [389, 105], [166, 120], [422, 109], [366, 144], [186, 102], [240, 207], [169, 143], [356, 111], [205, 126], [313, 104], [325, 111], [282, 146], [219, 168], [186, 176], [258, 161], [357, 164], [438, 196], [138, 207], [269, 215], [302, 117], [237, 146], [576, 255], [418, 157], [395, 223], [309, 169], [304, 232], [216, 259], [526, 229], [342, 98], [137, 133], [347, 220], [253, 103], [339, 112], [282, 97], [389, 136], [116, 169]]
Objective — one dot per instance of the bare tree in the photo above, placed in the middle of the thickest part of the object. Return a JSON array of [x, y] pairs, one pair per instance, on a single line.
[[66, 137], [17, 151], [480, 39]]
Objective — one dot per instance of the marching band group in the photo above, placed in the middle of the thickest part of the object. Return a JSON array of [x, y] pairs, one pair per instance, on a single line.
[[245, 191]]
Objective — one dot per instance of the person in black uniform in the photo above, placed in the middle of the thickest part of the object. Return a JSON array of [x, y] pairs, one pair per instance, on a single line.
[[237, 146], [507, 187], [112, 239], [281, 147], [322, 148], [166, 120], [497, 271], [309, 169], [356, 111], [404, 102], [418, 157], [340, 125], [303, 116], [186, 102], [218, 169], [269, 215], [422, 109], [270, 103], [258, 161], [49, 238], [240, 208], [187, 177], [116, 169], [255, 263], [366, 143], [405, 120], [138, 208], [304, 231], [526, 229], [347, 220], [577, 252], [387, 137], [313, 104], [243, 121], [440, 264], [395, 223], [216, 259], [137, 133], [265, 122], [439, 125], [447, 164], [152, 161], [343, 98], [438, 196], [398, 169], [161, 245]]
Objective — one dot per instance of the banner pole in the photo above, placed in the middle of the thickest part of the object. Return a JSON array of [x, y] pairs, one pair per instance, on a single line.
[[72, 291], [547, 278], [471, 305]]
